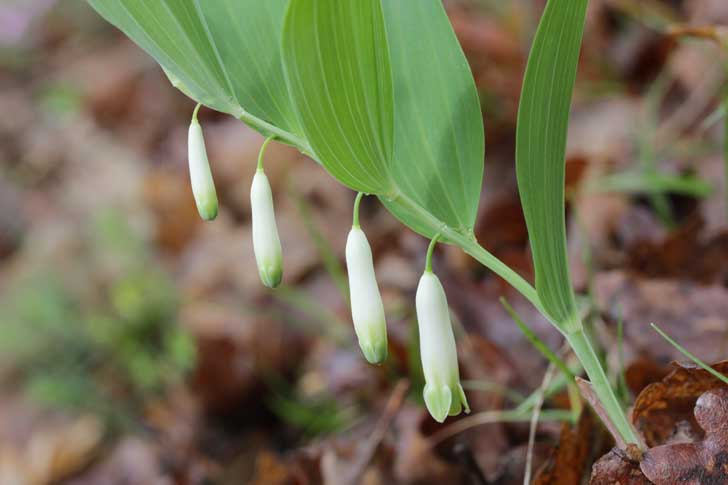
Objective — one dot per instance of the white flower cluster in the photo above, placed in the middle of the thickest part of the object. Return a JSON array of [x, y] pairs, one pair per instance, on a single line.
[[266, 243], [443, 393]]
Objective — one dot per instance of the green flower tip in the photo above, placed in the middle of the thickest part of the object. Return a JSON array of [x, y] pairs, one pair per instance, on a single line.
[[440, 402], [203, 186], [271, 275], [375, 353], [208, 208]]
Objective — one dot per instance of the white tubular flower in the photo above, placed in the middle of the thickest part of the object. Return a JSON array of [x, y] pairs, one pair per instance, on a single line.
[[266, 244], [203, 187], [367, 310], [443, 393]]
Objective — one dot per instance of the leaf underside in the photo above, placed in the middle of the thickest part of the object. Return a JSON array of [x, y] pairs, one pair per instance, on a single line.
[[339, 78], [543, 119], [439, 142], [377, 91]]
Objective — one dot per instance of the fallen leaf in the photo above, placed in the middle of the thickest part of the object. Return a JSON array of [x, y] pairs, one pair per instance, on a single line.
[[641, 373], [691, 313], [701, 463], [243, 347], [661, 406], [684, 253], [132, 461], [617, 468], [569, 460], [415, 461]]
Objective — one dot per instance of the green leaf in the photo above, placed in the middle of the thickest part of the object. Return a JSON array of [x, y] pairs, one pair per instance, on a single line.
[[439, 142], [543, 119], [223, 53], [339, 78], [411, 133]]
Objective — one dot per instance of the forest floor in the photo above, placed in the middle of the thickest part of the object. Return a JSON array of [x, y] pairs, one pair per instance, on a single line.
[[138, 346]]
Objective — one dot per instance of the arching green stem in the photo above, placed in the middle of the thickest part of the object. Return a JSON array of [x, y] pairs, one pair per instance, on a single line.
[[261, 154], [357, 201], [430, 250], [197, 109], [573, 331]]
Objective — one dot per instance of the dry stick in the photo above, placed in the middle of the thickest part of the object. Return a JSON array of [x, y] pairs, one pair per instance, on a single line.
[[372, 443], [548, 376], [475, 420], [590, 396], [716, 33]]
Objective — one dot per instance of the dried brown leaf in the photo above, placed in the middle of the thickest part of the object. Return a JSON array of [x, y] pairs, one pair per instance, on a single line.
[[570, 458], [691, 313], [702, 463], [617, 468], [661, 406]]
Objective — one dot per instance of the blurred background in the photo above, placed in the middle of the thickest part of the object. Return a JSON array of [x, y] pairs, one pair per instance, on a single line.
[[137, 345]]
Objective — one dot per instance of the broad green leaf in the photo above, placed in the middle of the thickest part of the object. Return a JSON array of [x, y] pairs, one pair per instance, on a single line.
[[223, 53], [339, 78], [543, 119], [411, 133], [438, 136]]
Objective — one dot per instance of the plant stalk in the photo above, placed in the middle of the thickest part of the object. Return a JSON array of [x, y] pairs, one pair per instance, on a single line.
[[574, 334], [584, 351]]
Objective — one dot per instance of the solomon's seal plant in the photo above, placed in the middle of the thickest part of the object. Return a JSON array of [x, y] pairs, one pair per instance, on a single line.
[[367, 309], [443, 393], [203, 187], [266, 243], [379, 93]]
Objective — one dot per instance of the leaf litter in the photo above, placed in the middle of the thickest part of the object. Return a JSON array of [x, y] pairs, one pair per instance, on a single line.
[[278, 393]]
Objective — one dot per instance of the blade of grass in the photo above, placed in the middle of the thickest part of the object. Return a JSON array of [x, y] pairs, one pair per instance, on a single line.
[[490, 417], [652, 183], [493, 387], [556, 386], [554, 359], [724, 105], [548, 376], [621, 378], [537, 342], [689, 355], [543, 119], [332, 265]]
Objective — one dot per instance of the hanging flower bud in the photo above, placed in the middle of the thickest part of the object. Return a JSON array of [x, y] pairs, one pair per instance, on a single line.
[[443, 393], [203, 187], [367, 310], [266, 243]]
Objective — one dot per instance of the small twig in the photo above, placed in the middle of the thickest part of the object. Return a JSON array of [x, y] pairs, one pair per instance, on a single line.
[[716, 33], [372, 443], [548, 376], [488, 417], [590, 396]]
